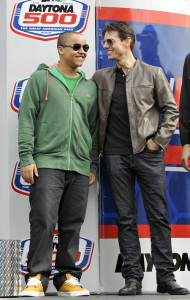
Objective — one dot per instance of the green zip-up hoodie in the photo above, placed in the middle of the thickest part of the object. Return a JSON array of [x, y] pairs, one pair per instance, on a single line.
[[57, 129]]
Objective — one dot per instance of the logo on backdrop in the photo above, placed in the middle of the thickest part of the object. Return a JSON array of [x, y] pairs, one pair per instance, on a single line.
[[17, 94], [46, 19], [18, 184], [84, 258], [181, 262]]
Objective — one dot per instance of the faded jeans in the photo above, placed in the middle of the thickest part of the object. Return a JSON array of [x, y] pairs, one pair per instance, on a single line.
[[149, 169]]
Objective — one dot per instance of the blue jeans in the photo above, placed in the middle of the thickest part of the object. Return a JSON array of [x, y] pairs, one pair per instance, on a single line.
[[56, 196], [149, 169]]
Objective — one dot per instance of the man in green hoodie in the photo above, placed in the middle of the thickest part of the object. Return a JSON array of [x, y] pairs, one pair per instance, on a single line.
[[58, 152]]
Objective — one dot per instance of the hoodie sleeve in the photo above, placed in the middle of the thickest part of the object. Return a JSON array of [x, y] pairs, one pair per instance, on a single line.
[[184, 121], [93, 122], [28, 112]]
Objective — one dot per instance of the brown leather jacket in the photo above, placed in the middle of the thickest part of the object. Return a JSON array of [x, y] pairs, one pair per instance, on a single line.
[[148, 96]]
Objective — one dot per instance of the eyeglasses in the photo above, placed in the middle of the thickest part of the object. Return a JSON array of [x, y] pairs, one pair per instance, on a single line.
[[110, 42], [77, 47]]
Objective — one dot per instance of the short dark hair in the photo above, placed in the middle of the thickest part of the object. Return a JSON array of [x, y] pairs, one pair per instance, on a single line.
[[124, 30], [64, 36]]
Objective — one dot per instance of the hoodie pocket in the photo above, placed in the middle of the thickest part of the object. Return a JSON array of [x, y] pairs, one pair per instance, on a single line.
[[50, 139], [84, 143]]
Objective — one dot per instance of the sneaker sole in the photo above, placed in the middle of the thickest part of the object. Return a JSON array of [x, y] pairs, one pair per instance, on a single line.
[[74, 294], [32, 294]]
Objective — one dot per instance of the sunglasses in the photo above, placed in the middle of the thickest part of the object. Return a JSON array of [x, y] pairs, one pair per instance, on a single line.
[[110, 42], [77, 47]]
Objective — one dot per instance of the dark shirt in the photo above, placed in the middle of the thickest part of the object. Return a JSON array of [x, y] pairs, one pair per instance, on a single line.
[[118, 137]]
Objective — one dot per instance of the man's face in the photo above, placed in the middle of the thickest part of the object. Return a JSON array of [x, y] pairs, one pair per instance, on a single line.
[[117, 50], [72, 58]]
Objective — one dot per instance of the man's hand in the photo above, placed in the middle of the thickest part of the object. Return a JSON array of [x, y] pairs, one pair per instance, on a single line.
[[27, 173], [185, 156], [55, 65], [91, 178], [152, 145]]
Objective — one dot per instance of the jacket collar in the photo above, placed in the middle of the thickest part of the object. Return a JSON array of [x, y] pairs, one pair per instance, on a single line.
[[114, 68]]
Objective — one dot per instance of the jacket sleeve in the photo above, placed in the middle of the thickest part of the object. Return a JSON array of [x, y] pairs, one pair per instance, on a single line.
[[168, 108], [93, 123], [184, 121], [28, 112]]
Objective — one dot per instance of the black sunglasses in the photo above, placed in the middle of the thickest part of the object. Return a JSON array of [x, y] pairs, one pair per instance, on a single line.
[[77, 47]]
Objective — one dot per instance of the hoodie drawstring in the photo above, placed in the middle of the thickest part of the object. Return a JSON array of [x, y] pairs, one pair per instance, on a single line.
[[46, 98]]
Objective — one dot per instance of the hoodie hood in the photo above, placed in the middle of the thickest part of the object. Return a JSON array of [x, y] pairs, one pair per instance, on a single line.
[[45, 67], [42, 67], [55, 73]]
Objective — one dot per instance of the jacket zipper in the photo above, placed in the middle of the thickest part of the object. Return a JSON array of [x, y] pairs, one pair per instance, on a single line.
[[71, 115], [71, 123], [69, 148]]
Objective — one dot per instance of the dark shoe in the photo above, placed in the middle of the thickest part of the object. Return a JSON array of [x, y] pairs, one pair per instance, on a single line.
[[132, 287], [172, 288]]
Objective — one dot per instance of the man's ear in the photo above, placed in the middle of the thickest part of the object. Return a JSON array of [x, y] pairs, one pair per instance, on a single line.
[[60, 50], [128, 41]]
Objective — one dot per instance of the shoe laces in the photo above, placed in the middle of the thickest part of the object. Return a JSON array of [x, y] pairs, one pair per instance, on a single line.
[[33, 282], [73, 281]]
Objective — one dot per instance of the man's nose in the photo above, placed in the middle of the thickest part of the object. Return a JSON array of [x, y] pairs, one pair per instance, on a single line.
[[106, 45], [81, 50]]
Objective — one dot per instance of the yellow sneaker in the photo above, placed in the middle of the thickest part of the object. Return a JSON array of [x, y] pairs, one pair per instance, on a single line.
[[34, 287], [72, 287]]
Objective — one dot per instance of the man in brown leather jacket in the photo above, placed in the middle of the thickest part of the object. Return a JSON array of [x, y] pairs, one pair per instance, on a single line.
[[138, 115]]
